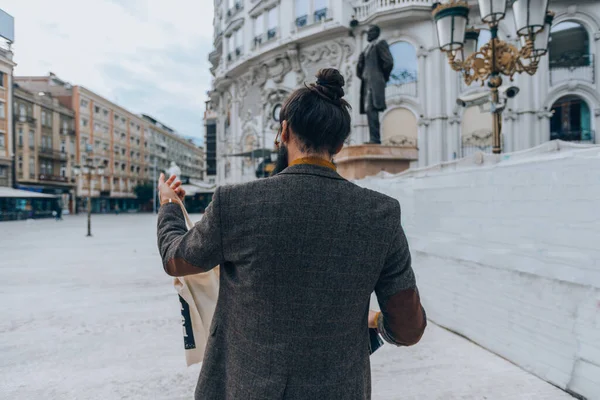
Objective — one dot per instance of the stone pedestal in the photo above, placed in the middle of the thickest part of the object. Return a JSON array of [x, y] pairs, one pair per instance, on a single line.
[[357, 162]]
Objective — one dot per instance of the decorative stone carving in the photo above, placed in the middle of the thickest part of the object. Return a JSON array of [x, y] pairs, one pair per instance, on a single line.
[[276, 68], [424, 121], [293, 54], [454, 119], [544, 113], [348, 47], [244, 82], [348, 75], [400, 140], [270, 100], [324, 55]]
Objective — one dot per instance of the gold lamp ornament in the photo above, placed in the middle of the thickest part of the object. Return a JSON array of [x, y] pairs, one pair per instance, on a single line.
[[497, 57]]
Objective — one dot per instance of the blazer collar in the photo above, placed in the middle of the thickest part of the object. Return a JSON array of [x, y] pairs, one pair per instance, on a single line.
[[311, 169]]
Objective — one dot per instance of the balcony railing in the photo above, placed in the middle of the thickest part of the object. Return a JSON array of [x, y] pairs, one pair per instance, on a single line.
[[26, 119], [364, 10], [577, 136], [46, 152], [53, 178], [67, 132], [306, 20], [404, 84], [580, 68]]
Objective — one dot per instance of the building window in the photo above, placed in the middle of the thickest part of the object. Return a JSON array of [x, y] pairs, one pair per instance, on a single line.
[[571, 120], [31, 139], [239, 42], [2, 142], [43, 118], [31, 167], [272, 22], [403, 79], [2, 112], [310, 11], [105, 112], [63, 146], [83, 104], [96, 109], [569, 54], [2, 79], [83, 122], [3, 172], [20, 137], [259, 28]]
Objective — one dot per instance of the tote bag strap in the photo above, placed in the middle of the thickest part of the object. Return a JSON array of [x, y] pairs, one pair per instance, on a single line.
[[188, 221]]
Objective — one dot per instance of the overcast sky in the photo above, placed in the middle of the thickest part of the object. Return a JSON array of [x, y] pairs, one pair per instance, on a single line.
[[149, 56]]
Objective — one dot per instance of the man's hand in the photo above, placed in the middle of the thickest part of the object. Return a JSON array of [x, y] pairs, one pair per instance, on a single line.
[[169, 189], [373, 318]]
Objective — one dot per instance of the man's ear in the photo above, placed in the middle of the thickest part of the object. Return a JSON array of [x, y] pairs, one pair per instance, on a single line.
[[285, 132]]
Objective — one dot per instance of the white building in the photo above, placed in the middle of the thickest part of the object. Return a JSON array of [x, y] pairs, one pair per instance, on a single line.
[[264, 49]]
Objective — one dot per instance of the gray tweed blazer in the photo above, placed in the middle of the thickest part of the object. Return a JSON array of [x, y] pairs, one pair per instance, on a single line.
[[300, 255]]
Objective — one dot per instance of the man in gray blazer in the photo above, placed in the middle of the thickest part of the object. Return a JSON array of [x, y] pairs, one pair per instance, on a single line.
[[300, 254]]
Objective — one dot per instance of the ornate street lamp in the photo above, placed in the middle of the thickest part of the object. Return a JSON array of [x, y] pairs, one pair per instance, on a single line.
[[87, 170], [495, 58]]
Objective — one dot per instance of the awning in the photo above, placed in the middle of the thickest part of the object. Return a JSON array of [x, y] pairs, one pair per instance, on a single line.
[[23, 194], [256, 153]]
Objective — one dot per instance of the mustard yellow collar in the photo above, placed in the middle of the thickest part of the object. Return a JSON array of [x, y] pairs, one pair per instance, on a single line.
[[314, 161]]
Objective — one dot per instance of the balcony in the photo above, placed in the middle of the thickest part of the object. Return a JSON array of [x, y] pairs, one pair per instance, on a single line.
[[26, 119], [52, 154], [53, 178], [363, 11], [579, 68], [235, 9], [67, 132], [405, 84], [584, 136]]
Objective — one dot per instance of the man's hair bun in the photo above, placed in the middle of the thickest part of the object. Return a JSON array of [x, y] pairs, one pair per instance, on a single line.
[[330, 84]]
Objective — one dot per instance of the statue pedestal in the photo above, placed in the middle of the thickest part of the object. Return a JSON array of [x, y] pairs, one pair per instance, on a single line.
[[357, 162]]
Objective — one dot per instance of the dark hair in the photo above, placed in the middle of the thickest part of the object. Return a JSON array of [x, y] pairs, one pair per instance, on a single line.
[[317, 113]]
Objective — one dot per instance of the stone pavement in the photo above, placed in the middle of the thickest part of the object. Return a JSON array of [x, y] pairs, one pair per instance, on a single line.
[[96, 318]]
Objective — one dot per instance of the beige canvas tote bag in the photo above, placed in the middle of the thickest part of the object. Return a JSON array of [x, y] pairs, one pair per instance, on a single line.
[[198, 297]]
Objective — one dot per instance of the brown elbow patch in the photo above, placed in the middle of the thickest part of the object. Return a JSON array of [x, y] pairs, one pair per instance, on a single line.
[[404, 317], [180, 267]]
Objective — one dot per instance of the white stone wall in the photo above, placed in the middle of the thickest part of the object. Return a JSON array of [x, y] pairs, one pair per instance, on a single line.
[[508, 255]]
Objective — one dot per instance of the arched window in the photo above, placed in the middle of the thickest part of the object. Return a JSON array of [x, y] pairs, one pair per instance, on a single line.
[[571, 120], [403, 78], [569, 53]]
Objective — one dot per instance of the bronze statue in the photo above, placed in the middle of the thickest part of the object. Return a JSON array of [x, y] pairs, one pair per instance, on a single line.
[[374, 67]]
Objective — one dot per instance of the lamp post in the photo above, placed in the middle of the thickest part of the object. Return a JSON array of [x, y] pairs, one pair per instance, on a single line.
[[497, 57], [88, 169]]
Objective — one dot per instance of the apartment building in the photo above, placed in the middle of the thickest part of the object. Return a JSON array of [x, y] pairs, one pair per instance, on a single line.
[[6, 71], [45, 145], [122, 143]]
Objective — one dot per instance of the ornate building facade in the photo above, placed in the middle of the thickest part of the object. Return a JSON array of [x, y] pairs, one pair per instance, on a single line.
[[264, 49]]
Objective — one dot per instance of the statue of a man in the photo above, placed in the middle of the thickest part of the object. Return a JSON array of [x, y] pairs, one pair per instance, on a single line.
[[374, 67]]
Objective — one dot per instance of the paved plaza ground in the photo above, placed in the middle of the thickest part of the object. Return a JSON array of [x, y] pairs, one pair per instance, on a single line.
[[97, 318]]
